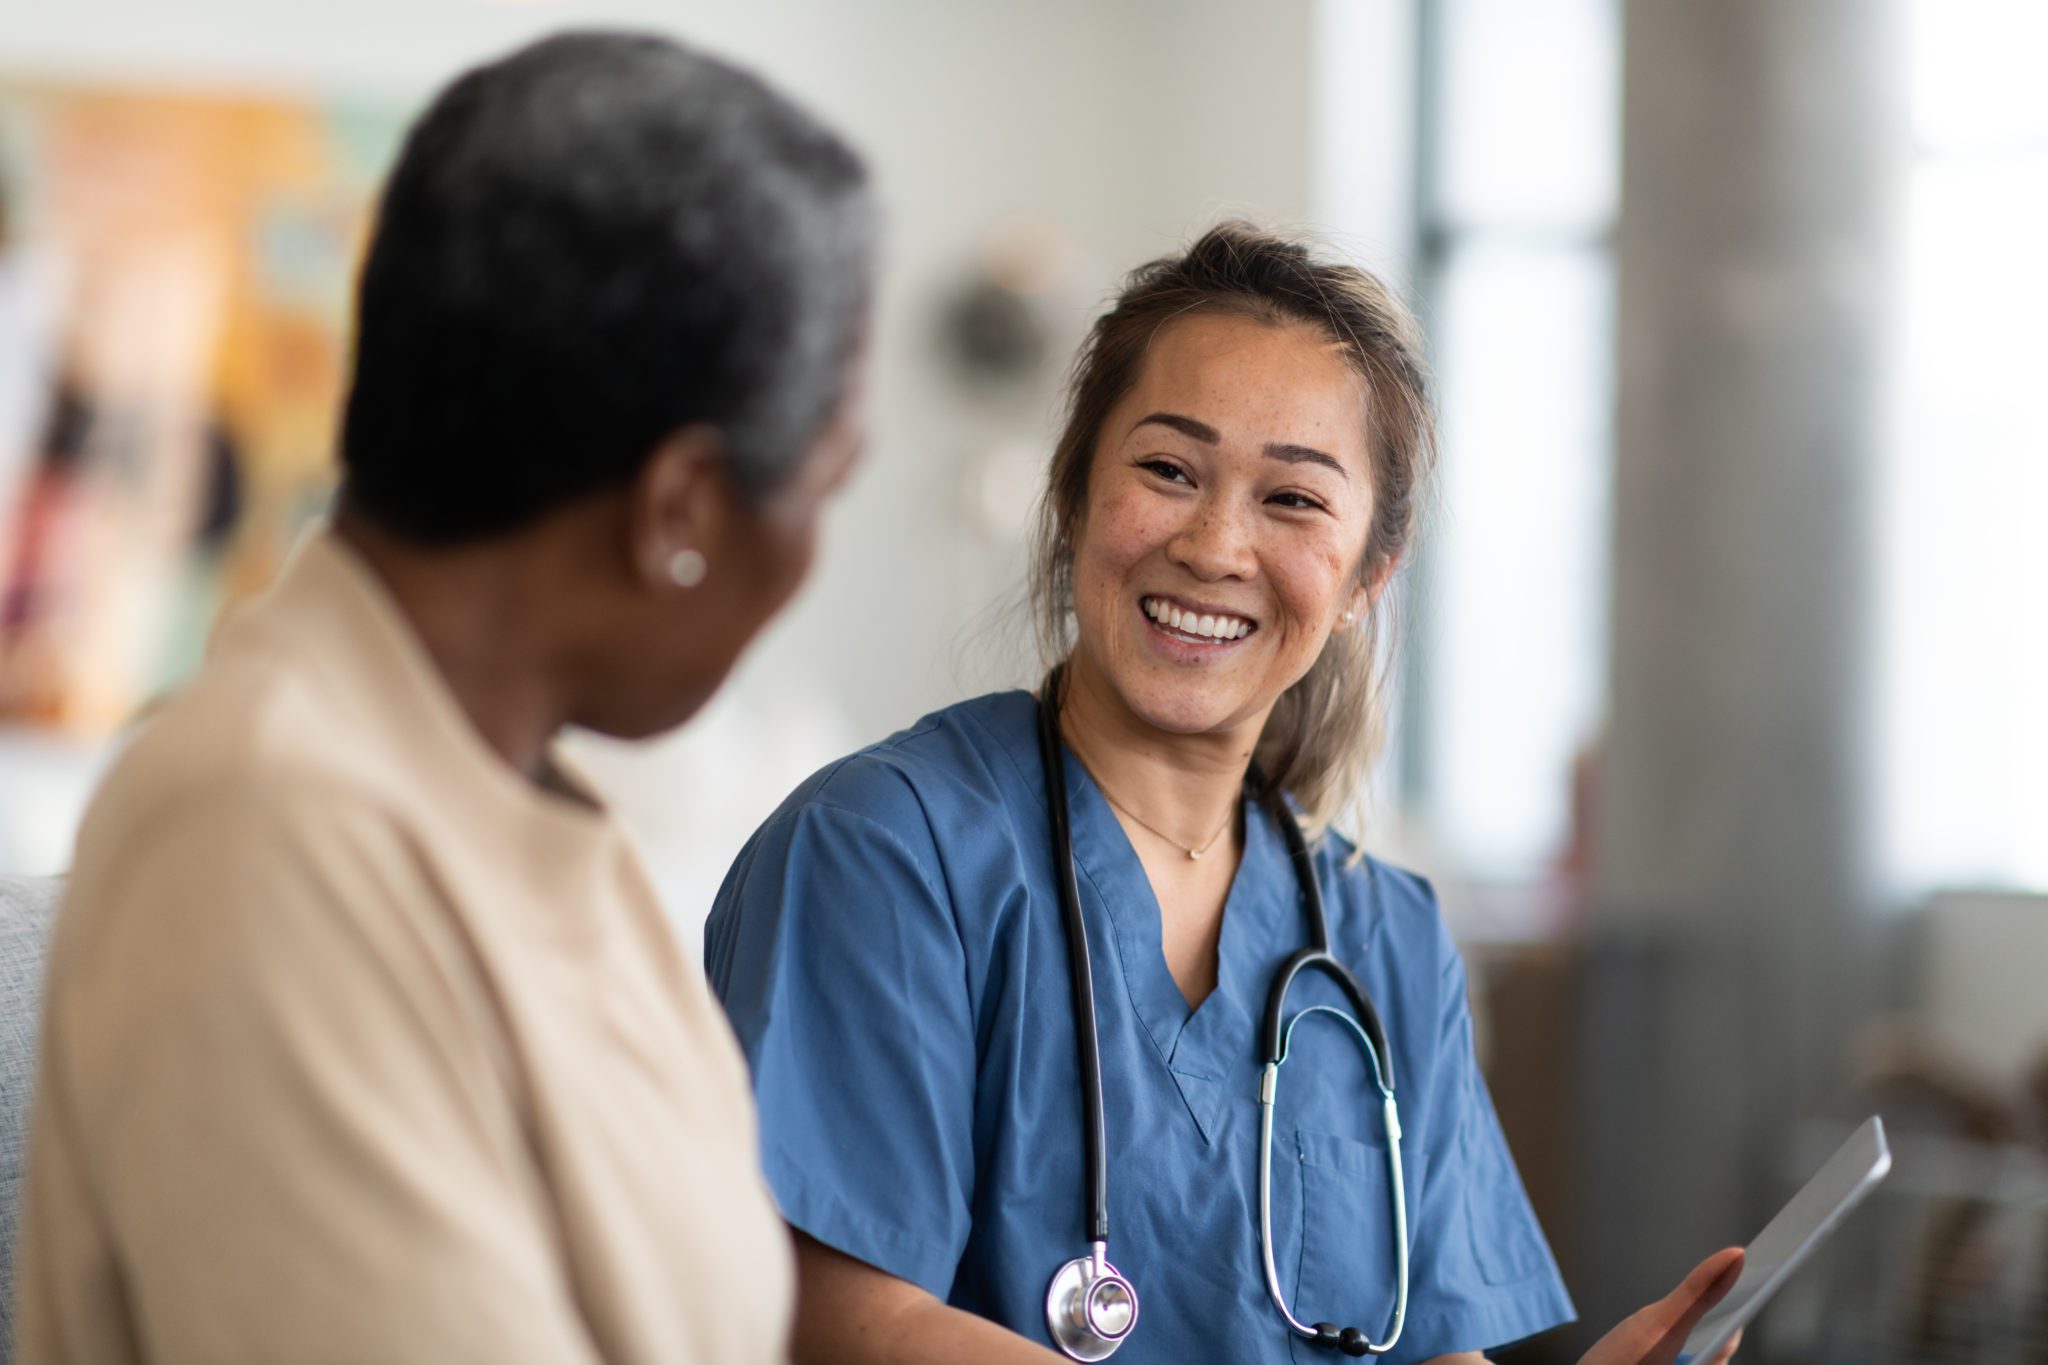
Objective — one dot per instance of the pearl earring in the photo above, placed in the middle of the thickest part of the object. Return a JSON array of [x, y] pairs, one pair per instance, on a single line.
[[686, 568], [1348, 617]]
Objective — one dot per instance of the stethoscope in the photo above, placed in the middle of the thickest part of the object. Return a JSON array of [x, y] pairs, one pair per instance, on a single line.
[[1090, 1307]]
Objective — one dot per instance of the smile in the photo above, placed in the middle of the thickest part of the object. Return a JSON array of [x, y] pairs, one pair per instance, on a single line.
[[1194, 627]]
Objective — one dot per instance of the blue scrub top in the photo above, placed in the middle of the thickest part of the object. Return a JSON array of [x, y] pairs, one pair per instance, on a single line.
[[892, 954]]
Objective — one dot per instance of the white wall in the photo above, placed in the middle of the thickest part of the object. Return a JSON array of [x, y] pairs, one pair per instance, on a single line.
[[1121, 126]]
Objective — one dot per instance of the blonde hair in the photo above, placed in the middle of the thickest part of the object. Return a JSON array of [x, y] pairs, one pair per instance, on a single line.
[[1324, 732]]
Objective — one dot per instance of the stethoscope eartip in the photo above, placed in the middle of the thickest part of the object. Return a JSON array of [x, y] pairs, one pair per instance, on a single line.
[[1349, 1340]]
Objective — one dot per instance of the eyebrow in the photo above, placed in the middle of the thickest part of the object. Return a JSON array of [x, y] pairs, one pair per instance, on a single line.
[[1277, 450]]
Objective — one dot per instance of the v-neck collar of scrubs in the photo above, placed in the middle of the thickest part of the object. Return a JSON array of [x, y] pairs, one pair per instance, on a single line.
[[1200, 1046]]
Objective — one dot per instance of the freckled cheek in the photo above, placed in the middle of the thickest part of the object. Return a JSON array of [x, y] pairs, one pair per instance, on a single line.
[[1310, 579], [1121, 533]]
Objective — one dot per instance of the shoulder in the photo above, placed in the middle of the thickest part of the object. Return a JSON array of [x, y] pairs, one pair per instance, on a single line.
[[239, 744], [924, 825], [934, 816], [231, 912], [220, 834], [224, 835], [1378, 903], [958, 769]]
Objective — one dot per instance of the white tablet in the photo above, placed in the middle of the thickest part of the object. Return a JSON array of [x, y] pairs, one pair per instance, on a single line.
[[1790, 1238]]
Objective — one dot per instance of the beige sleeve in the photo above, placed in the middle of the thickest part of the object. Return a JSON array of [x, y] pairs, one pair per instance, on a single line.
[[272, 1065]]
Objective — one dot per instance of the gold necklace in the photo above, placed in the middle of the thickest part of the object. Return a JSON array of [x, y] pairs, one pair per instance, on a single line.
[[1193, 853], [1052, 683]]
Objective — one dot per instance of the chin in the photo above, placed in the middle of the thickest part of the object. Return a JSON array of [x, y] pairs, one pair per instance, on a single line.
[[649, 717], [1180, 707]]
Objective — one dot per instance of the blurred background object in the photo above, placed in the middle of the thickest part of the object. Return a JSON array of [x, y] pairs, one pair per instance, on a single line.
[[177, 272], [1723, 712], [207, 245]]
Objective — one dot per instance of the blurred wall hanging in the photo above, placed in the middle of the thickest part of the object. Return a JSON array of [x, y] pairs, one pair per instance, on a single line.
[[1003, 324], [175, 270]]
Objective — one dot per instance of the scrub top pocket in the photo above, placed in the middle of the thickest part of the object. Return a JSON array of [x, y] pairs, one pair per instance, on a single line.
[[1346, 1261], [1509, 1250]]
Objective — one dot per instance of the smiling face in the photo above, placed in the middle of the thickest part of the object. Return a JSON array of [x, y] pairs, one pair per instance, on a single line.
[[1225, 524]]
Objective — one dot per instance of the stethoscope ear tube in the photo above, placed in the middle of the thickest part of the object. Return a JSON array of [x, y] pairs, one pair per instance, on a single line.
[[1317, 955], [1080, 969], [1275, 1035], [1090, 1308], [1271, 1047], [1352, 1341]]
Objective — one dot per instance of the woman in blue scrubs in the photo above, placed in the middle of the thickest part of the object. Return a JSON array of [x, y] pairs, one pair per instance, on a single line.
[[1238, 477]]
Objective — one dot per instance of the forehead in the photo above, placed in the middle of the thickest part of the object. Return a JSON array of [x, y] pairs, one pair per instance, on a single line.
[[1255, 382]]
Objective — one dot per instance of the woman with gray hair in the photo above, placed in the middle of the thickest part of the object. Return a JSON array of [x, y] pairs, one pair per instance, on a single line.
[[1029, 970], [365, 1038]]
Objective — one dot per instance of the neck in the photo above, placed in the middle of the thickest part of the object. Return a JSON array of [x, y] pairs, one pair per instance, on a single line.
[[471, 608], [1187, 786]]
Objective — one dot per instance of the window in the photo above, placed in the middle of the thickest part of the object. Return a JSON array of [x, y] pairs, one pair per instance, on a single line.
[[1520, 159], [1963, 569]]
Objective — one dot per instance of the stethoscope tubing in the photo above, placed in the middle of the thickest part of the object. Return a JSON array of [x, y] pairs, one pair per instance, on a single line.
[[1276, 1033], [1390, 1117], [1080, 968]]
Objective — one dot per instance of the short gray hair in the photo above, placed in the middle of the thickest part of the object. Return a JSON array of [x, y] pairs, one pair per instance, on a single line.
[[586, 245]]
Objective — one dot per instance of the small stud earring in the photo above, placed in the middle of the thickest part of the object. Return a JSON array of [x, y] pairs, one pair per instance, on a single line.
[[1348, 617], [686, 568]]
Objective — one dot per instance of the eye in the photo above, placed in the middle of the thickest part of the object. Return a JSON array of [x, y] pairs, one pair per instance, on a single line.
[[1297, 502], [1165, 469]]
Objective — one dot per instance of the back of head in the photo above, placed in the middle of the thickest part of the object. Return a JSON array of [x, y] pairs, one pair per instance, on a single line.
[[585, 246]]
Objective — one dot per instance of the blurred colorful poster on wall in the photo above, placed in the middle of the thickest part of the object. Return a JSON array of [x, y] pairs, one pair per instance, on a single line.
[[175, 272]]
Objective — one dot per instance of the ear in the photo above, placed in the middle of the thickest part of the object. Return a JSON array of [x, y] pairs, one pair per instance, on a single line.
[[1382, 574], [680, 500], [1366, 595]]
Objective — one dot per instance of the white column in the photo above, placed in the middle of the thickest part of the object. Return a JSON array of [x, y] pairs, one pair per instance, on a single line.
[[1732, 859]]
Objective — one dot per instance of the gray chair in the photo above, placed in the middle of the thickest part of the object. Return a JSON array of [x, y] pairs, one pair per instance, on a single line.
[[28, 907]]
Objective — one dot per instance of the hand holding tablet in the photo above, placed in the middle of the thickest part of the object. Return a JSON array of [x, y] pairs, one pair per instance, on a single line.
[[1817, 1210], [1654, 1335], [1701, 1321]]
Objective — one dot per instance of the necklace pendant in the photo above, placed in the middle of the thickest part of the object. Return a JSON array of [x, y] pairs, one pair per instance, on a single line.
[[1193, 854]]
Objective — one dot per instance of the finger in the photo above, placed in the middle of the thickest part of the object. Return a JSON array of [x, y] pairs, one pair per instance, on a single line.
[[1707, 1284], [1704, 1286], [1706, 1277]]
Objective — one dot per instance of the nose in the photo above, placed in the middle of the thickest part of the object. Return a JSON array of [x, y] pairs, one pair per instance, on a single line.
[[1215, 542]]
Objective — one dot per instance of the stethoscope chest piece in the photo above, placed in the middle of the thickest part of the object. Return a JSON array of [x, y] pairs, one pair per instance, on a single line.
[[1089, 1307]]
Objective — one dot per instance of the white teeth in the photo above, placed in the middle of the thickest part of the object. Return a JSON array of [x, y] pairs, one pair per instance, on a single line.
[[1192, 623]]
